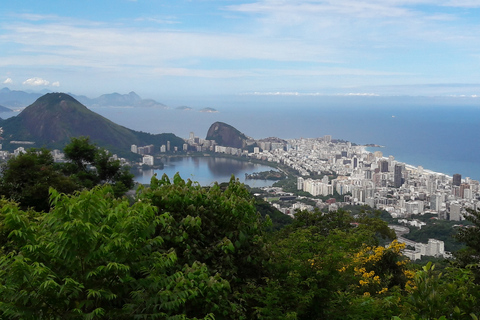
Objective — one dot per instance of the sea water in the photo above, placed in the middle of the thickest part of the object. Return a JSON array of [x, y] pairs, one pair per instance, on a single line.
[[440, 134]]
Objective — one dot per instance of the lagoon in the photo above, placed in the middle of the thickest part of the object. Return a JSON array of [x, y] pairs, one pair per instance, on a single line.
[[207, 170]]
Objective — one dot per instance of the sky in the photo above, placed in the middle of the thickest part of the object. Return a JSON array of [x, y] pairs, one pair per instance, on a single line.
[[161, 48]]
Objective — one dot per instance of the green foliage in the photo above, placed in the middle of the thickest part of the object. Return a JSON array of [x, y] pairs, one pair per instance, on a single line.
[[470, 236], [27, 177], [216, 226], [436, 229], [95, 257], [306, 275], [434, 295], [279, 219]]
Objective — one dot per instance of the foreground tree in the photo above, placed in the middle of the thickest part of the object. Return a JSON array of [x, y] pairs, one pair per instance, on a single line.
[[90, 166], [94, 256], [470, 236], [27, 177], [218, 226]]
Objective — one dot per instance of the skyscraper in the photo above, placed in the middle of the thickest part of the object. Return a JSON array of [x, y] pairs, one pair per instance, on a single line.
[[457, 179], [397, 176], [383, 166]]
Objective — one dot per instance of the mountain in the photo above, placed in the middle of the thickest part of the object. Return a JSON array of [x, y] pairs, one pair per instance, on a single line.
[[56, 117], [226, 135], [209, 110], [20, 99], [17, 99], [3, 109], [119, 100]]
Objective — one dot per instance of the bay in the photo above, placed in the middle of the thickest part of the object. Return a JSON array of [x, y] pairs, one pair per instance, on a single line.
[[439, 133], [207, 170]]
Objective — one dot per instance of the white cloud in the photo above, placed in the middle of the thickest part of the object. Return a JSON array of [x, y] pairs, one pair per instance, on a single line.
[[8, 81], [36, 82], [56, 84]]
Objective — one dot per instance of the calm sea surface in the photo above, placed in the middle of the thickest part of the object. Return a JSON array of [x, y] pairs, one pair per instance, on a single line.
[[441, 134], [206, 170]]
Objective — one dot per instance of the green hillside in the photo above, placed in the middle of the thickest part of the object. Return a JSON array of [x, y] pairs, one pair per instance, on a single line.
[[56, 117]]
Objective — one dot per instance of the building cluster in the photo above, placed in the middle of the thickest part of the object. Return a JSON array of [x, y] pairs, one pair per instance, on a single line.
[[369, 178]]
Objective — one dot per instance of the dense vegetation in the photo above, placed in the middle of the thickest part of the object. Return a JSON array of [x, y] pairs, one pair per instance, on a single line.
[[27, 177], [177, 250]]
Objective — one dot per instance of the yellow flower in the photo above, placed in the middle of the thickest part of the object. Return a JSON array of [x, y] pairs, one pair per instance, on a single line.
[[382, 291]]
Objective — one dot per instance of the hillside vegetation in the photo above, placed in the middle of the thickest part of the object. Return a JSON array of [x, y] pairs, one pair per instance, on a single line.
[[181, 251], [53, 119]]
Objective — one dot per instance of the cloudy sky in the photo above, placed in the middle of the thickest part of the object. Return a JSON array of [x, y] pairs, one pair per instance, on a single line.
[[158, 47]]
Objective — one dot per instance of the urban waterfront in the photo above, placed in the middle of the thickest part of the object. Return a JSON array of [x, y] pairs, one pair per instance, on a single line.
[[207, 170]]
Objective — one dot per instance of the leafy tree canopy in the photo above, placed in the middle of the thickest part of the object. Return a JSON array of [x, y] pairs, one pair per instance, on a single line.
[[27, 177]]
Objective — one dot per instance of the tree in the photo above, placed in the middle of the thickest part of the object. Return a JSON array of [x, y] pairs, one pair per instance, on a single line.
[[218, 226], [94, 256], [470, 236], [27, 177], [90, 166]]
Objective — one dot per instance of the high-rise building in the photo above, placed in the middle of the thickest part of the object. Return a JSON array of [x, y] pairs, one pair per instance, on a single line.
[[383, 166], [457, 179], [299, 183], [397, 176]]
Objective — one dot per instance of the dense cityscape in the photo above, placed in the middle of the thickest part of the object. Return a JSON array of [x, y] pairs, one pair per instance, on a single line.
[[364, 178]]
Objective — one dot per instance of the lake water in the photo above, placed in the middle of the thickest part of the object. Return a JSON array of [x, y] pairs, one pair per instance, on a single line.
[[206, 170]]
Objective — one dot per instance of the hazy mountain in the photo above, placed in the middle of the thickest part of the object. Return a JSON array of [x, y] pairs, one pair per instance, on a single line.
[[208, 110], [184, 108], [3, 109], [20, 99], [119, 100], [226, 135], [56, 117], [17, 99]]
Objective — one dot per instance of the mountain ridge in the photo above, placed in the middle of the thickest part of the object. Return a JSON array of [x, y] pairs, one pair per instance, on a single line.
[[54, 118], [20, 99]]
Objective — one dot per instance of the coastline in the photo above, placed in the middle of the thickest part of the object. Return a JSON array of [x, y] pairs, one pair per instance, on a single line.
[[366, 149]]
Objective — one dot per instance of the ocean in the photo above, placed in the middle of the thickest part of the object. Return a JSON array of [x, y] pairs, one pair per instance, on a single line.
[[441, 134]]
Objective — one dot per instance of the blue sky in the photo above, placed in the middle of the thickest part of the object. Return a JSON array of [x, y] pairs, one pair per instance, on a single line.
[[173, 48]]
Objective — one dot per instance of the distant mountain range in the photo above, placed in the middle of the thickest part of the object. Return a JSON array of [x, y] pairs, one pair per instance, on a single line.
[[119, 100], [19, 99], [56, 117]]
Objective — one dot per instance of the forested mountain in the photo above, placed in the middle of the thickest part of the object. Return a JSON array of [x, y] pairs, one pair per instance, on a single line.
[[56, 117]]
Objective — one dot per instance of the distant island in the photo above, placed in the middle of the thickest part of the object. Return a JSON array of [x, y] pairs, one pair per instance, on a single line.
[[208, 110], [184, 108]]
